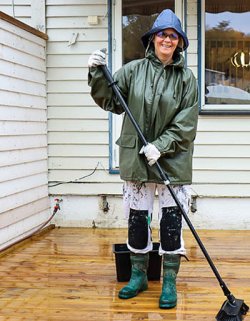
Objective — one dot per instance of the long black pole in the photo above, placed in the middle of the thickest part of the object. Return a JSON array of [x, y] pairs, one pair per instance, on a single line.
[[166, 181]]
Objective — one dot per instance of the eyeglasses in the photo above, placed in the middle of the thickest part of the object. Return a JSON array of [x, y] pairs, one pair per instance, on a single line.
[[163, 35]]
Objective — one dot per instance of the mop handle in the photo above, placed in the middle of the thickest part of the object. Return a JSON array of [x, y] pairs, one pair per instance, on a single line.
[[165, 178]]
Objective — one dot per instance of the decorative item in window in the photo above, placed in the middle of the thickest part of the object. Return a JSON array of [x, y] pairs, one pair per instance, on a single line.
[[227, 56], [239, 59]]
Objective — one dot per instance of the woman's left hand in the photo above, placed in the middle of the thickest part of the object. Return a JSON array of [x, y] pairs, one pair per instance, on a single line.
[[151, 152]]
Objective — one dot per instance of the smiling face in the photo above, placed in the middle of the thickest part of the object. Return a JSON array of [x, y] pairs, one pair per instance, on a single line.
[[165, 43]]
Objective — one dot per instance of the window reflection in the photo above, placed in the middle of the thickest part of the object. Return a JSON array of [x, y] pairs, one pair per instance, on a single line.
[[227, 53], [137, 18]]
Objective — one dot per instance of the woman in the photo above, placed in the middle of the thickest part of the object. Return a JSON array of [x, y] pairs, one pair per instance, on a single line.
[[162, 96]]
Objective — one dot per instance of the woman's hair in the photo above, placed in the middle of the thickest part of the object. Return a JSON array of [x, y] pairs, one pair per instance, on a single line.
[[150, 42], [180, 43]]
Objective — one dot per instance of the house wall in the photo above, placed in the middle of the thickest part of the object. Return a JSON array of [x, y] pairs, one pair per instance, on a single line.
[[78, 129], [78, 132], [24, 201], [20, 9], [29, 12], [78, 137]]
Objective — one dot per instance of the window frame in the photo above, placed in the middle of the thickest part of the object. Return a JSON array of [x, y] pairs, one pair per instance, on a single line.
[[115, 62], [213, 109]]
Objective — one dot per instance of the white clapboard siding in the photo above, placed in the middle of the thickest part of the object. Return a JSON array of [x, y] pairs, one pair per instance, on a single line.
[[213, 189], [223, 123], [22, 72], [55, 61], [75, 150], [192, 48], [82, 112], [24, 202], [70, 175], [64, 48], [74, 22], [11, 187], [11, 128], [21, 44], [22, 212], [23, 228], [23, 13], [75, 2], [17, 2], [21, 156], [23, 198], [88, 189], [211, 137], [19, 142], [78, 130], [22, 86], [69, 99], [14, 55], [80, 125], [78, 138], [77, 10], [67, 73], [19, 9], [222, 164], [191, 29], [23, 114], [65, 35], [69, 163], [22, 170], [17, 28], [220, 150], [221, 176], [22, 100], [225, 189], [71, 86]]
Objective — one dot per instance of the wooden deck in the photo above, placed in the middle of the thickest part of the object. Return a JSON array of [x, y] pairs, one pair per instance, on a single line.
[[69, 274]]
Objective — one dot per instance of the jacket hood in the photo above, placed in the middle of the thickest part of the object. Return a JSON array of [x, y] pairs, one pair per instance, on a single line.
[[166, 19]]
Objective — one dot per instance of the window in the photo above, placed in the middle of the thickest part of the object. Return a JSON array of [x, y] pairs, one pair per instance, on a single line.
[[226, 76], [130, 20]]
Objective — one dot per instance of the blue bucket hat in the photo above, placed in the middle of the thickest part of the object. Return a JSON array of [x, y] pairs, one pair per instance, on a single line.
[[166, 19]]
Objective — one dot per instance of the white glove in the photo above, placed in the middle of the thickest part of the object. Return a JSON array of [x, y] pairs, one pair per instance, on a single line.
[[97, 58], [151, 152]]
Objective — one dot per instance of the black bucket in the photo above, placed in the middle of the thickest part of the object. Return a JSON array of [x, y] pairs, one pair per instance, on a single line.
[[123, 264]]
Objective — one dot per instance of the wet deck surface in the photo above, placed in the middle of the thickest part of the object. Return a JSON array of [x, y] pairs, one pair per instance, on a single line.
[[70, 274]]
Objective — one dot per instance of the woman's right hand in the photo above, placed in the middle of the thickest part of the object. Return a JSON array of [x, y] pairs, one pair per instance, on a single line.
[[97, 58]]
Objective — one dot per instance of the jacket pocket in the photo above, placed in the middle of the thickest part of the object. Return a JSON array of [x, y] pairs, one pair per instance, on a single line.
[[127, 141]]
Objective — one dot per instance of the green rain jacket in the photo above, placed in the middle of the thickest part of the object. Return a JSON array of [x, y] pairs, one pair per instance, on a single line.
[[164, 103]]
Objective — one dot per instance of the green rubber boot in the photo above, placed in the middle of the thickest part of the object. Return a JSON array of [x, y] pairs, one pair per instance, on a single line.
[[171, 265], [139, 280]]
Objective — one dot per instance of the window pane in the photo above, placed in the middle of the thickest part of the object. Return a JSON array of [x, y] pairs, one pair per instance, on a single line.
[[137, 19], [227, 53]]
